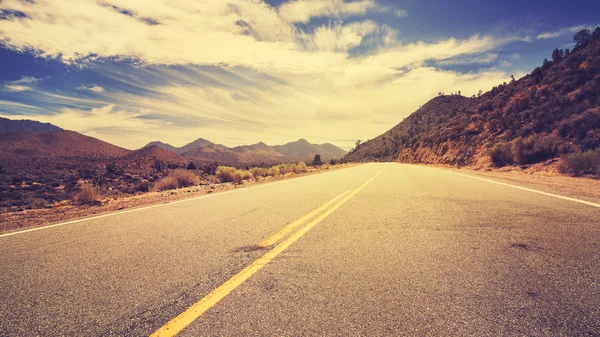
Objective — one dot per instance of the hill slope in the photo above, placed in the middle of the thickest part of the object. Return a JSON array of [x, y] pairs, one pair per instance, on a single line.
[[552, 112], [58, 144], [12, 125]]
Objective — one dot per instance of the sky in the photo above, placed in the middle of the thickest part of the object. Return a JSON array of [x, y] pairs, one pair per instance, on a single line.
[[242, 71]]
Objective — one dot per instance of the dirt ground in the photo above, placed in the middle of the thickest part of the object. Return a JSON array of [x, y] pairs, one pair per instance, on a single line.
[[65, 211], [585, 188]]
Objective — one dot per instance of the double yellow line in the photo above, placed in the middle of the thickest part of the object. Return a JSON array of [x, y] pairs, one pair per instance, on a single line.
[[184, 319]]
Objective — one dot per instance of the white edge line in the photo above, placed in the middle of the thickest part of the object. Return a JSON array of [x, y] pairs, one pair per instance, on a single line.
[[160, 205], [589, 203]]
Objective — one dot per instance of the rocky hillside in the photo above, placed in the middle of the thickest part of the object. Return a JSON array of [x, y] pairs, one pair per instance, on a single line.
[[552, 112], [11, 125]]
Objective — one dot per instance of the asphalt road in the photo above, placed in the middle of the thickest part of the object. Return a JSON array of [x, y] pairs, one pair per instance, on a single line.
[[406, 250]]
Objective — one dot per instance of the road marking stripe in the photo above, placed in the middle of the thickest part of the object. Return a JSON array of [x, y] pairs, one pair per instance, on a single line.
[[184, 319], [589, 203], [162, 204], [287, 229]]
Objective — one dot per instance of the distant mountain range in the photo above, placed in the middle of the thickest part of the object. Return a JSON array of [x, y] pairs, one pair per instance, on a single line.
[[202, 149], [26, 139]]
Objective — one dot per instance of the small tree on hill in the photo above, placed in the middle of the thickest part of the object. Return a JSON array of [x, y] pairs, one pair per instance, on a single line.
[[317, 161], [581, 38]]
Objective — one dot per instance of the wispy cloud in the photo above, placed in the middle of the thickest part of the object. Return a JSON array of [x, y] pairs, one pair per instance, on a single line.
[[562, 32], [213, 68], [17, 88], [23, 84], [94, 88], [478, 59]]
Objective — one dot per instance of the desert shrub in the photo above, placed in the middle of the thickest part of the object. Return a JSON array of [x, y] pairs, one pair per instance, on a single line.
[[241, 175], [143, 187], [87, 195], [501, 154], [258, 172], [191, 166], [166, 183], [225, 173], [273, 171], [301, 167], [114, 169], [592, 139], [286, 168], [581, 163], [185, 178], [535, 148]]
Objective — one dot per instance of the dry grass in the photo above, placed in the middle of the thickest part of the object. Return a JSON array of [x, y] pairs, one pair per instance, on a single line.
[[185, 178], [87, 195], [176, 179], [166, 183]]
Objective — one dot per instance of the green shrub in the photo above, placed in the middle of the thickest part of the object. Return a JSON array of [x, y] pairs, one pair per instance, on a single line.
[[273, 171], [225, 173], [301, 167], [581, 163], [501, 154]]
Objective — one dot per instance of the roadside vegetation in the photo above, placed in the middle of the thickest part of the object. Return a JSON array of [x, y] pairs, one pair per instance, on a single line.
[[549, 118]]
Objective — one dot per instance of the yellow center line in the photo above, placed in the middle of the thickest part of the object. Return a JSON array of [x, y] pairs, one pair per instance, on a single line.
[[184, 319], [287, 229]]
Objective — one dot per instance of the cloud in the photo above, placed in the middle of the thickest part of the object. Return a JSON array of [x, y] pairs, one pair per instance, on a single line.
[[304, 10], [21, 85], [401, 13], [563, 32], [17, 88], [478, 59], [94, 88], [214, 69]]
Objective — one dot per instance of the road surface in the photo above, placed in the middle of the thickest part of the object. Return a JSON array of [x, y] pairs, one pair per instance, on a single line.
[[376, 249]]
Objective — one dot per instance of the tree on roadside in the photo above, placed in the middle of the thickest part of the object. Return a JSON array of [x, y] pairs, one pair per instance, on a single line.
[[317, 161]]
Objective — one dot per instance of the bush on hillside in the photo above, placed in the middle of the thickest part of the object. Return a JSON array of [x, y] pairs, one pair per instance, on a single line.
[[185, 178], [581, 163], [166, 183], [225, 173], [87, 195], [176, 179], [501, 154]]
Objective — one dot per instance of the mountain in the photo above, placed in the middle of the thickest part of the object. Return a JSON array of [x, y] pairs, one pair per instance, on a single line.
[[154, 151], [259, 152], [303, 150], [12, 125], [552, 112], [58, 144], [164, 146], [215, 152], [179, 150], [194, 145], [204, 150]]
